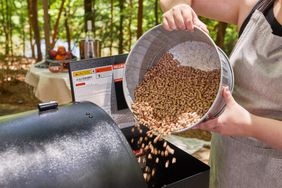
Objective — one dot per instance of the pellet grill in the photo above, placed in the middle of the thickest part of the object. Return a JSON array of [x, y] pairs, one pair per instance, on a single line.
[[79, 145]]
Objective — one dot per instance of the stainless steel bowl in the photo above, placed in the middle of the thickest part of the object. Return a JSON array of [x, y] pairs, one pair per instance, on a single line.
[[153, 44]]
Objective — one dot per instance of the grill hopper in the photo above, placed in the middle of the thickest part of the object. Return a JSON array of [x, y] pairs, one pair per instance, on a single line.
[[74, 146]]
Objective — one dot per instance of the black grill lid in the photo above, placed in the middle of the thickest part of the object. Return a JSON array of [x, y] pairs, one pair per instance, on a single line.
[[78, 145]]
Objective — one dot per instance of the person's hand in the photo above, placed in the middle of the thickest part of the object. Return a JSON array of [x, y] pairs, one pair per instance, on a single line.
[[234, 121], [182, 17]]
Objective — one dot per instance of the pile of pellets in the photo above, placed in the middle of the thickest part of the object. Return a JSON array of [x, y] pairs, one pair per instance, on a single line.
[[172, 97]]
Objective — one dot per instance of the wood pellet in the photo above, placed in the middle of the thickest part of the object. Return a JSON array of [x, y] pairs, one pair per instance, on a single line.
[[157, 160], [172, 97], [153, 172], [169, 150], [167, 164]]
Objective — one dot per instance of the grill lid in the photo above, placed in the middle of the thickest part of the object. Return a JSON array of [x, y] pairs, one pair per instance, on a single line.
[[78, 145]]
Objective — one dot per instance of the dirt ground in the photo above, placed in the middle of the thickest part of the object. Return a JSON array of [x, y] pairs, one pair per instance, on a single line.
[[15, 95]]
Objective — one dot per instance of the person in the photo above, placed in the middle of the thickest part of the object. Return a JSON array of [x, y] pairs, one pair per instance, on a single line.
[[246, 146]]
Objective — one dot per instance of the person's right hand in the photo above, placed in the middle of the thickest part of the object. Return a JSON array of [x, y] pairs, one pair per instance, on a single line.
[[182, 17]]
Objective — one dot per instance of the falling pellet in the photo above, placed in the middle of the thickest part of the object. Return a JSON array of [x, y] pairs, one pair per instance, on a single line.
[[164, 145], [157, 160], [169, 150], [153, 172], [157, 139], [167, 163]]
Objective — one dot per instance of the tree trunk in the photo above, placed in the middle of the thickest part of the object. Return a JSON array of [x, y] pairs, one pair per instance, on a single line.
[[156, 12], [24, 38], [129, 24], [87, 13], [31, 43], [140, 18], [221, 30], [67, 31], [9, 9], [4, 7], [7, 47], [22, 25], [111, 27], [94, 17], [46, 26], [34, 10], [56, 26], [121, 8], [30, 28]]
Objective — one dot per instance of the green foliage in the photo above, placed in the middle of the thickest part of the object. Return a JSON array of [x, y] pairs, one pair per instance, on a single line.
[[231, 34], [75, 13], [230, 38]]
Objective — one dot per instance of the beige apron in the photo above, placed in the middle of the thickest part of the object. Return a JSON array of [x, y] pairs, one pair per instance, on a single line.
[[257, 62]]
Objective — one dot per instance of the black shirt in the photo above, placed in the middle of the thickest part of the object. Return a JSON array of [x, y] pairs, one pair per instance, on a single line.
[[275, 25], [266, 6]]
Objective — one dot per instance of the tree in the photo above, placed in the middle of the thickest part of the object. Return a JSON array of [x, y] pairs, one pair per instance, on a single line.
[[87, 12], [94, 16], [129, 24], [6, 24], [140, 19], [156, 12], [46, 26], [6, 28], [121, 8], [21, 26], [56, 26], [67, 30], [10, 25], [221, 30], [111, 27], [35, 26], [29, 14]]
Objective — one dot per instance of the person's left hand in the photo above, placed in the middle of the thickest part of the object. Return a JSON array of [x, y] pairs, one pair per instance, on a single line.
[[234, 121]]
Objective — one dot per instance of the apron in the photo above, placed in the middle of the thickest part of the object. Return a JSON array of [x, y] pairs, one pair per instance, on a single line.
[[241, 162]]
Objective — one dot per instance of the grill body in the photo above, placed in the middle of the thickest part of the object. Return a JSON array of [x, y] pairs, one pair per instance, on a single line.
[[78, 145]]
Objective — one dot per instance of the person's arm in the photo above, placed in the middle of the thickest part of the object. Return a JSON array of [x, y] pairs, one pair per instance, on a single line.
[[237, 121], [168, 4], [267, 130], [179, 14], [222, 10]]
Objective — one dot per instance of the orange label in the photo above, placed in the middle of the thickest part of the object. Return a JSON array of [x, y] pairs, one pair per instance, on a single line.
[[103, 69]]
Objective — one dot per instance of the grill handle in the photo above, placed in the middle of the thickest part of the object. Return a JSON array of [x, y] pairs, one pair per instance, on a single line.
[[52, 105]]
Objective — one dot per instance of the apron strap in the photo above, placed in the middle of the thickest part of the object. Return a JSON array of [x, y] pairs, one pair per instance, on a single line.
[[262, 6]]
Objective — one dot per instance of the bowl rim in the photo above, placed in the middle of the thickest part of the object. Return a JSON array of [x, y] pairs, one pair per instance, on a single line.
[[218, 51]]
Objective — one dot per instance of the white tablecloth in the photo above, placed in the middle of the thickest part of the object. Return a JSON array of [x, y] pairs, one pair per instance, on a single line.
[[49, 86]]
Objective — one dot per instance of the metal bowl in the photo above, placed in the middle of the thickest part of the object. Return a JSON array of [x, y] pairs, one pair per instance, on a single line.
[[153, 44]]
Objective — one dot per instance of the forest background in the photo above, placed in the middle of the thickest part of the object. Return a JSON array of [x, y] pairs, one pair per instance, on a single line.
[[29, 28]]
